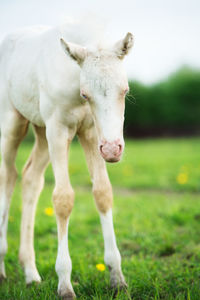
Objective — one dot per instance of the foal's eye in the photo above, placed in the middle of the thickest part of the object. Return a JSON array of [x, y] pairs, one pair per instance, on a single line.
[[84, 96]]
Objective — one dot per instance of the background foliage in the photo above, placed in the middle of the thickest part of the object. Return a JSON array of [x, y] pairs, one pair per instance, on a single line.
[[171, 107]]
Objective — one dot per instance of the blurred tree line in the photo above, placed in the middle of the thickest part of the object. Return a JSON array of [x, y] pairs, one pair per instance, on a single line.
[[171, 107]]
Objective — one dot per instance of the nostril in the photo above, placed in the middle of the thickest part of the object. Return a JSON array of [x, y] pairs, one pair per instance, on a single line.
[[101, 148], [120, 148]]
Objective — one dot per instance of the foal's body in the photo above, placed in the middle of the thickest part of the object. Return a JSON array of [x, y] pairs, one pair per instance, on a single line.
[[40, 84], [45, 71]]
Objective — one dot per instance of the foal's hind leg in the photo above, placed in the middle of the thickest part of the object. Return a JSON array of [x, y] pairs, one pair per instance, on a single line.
[[13, 129], [33, 181]]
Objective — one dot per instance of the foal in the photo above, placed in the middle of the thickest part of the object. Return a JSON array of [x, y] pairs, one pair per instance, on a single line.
[[63, 89]]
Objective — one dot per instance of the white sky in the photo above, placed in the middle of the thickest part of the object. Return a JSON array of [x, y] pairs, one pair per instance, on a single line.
[[167, 32]]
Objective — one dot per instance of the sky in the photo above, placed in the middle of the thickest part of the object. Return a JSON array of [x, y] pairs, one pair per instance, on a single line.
[[167, 32]]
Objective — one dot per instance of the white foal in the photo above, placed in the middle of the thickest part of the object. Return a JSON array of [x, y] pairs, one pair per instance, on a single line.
[[62, 93]]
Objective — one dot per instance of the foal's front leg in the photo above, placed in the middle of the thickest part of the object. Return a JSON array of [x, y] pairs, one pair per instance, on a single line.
[[63, 198], [103, 195]]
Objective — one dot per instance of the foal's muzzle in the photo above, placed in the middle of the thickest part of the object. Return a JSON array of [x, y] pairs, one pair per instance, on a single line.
[[111, 151]]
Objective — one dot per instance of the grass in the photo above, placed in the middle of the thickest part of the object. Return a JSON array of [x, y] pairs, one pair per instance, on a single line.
[[157, 223]]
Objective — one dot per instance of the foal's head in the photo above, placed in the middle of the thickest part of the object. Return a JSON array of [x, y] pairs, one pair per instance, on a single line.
[[104, 84]]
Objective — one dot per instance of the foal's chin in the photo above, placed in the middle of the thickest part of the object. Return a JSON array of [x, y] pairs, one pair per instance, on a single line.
[[112, 159]]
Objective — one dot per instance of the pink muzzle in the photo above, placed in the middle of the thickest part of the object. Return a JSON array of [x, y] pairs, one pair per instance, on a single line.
[[111, 151]]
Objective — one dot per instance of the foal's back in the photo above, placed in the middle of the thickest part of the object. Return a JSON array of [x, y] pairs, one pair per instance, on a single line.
[[31, 60]]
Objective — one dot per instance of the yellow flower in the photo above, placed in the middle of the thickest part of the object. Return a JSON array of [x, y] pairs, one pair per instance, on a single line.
[[48, 211], [100, 267], [182, 178]]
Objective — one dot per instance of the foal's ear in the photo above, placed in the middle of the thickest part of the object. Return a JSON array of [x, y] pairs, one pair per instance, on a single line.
[[76, 52], [123, 47]]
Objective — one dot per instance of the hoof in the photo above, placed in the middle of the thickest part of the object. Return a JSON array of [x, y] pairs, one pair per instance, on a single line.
[[118, 288], [121, 285], [32, 277], [69, 295], [117, 282], [30, 284]]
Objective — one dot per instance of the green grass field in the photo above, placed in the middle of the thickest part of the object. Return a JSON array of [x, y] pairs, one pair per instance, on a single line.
[[157, 222]]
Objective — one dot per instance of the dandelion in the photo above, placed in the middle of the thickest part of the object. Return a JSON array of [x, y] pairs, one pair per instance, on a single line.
[[100, 267], [182, 178], [48, 211]]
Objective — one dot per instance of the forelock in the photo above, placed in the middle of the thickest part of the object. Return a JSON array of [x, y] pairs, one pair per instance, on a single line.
[[102, 69]]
